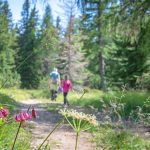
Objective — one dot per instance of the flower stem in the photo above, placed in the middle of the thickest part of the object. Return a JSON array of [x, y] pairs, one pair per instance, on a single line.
[[57, 125], [16, 135], [77, 135], [28, 108], [81, 96]]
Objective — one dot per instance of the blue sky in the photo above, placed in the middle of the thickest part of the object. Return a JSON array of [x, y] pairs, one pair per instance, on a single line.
[[16, 8]]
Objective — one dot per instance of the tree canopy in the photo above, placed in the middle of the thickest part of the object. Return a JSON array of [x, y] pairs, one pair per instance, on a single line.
[[106, 46]]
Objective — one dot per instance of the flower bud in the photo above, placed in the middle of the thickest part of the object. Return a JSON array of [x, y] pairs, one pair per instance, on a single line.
[[34, 114]]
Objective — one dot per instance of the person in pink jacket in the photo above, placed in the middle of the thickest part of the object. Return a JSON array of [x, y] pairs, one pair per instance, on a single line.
[[66, 86]]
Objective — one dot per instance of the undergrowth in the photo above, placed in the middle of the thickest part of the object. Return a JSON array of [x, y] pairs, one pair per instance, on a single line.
[[105, 137], [111, 139], [7, 134]]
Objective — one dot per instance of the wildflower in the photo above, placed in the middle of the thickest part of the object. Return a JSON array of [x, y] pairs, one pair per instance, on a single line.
[[79, 121], [22, 117], [3, 112], [85, 90], [34, 114], [1, 115], [88, 118]]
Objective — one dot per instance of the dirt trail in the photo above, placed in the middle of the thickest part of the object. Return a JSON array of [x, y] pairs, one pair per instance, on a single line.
[[62, 139]]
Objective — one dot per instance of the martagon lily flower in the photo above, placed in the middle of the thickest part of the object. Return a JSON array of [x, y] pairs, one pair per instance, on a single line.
[[4, 112], [34, 114], [22, 117]]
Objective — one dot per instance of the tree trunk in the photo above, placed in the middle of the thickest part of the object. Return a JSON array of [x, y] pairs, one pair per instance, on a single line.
[[101, 58], [102, 71], [71, 26]]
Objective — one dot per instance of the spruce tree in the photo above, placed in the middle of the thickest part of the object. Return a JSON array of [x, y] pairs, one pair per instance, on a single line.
[[28, 44], [92, 25], [129, 23], [8, 75], [48, 40], [71, 58]]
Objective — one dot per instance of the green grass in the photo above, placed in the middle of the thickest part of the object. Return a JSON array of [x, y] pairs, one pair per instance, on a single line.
[[7, 134], [130, 99], [54, 107], [92, 98], [7, 102], [23, 94], [9, 98], [107, 138]]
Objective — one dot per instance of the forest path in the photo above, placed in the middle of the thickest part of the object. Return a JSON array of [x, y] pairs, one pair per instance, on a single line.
[[63, 138]]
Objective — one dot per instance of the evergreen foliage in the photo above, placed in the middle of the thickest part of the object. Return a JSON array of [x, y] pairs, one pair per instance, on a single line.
[[8, 74], [71, 59], [27, 47], [49, 43], [106, 47]]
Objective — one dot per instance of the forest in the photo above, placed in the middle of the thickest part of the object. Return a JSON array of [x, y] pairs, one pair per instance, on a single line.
[[103, 47], [108, 40]]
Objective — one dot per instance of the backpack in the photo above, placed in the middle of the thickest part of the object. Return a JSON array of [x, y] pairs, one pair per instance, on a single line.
[[54, 75]]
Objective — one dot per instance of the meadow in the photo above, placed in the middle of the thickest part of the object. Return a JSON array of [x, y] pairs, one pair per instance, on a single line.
[[107, 135]]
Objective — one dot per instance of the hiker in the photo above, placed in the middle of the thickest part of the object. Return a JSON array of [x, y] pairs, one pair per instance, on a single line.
[[66, 86], [54, 82]]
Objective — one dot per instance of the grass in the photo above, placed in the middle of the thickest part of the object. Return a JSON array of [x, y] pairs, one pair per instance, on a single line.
[[107, 138], [130, 99], [7, 134], [104, 136], [10, 98], [23, 94], [90, 99], [7, 101], [54, 107]]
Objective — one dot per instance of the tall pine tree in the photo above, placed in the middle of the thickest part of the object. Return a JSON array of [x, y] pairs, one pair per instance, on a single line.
[[8, 75], [92, 26], [28, 44], [71, 57], [48, 46]]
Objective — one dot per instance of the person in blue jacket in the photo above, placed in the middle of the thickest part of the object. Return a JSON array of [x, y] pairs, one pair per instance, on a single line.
[[54, 82]]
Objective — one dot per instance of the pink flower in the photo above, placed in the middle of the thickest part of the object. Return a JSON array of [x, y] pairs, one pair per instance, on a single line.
[[4, 112], [22, 117], [34, 114], [1, 115], [17, 118], [27, 116]]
